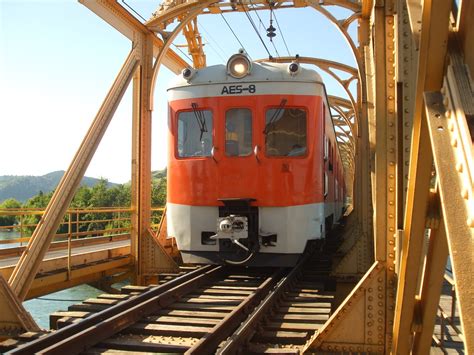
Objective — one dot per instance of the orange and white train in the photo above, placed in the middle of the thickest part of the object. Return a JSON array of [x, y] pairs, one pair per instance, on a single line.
[[254, 171]]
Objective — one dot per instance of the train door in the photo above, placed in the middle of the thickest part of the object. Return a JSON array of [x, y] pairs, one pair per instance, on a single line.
[[237, 163]]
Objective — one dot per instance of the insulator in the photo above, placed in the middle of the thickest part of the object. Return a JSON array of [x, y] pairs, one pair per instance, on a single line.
[[271, 31]]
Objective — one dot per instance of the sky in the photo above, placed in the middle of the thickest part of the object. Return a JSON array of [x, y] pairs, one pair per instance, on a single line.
[[58, 61]]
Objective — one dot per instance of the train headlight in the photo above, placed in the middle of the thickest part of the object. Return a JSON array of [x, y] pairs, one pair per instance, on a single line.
[[188, 73], [239, 66], [293, 68]]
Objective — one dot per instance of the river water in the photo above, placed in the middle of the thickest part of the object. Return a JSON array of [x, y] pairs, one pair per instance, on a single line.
[[8, 235], [40, 308]]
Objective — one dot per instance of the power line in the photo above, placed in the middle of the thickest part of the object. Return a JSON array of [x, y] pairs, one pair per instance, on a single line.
[[255, 28], [256, 13], [233, 32], [283, 37], [131, 8], [212, 38], [179, 49], [261, 22], [276, 50], [208, 35], [215, 51]]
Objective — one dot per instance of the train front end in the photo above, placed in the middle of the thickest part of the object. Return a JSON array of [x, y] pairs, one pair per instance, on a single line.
[[245, 169]]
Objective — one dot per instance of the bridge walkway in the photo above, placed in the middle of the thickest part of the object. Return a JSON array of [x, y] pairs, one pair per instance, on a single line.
[[87, 260]]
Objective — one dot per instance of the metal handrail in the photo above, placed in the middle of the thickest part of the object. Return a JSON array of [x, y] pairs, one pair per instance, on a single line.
[[75, 224]]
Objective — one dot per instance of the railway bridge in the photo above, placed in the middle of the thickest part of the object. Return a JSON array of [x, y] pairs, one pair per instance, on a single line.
[[405, 136]]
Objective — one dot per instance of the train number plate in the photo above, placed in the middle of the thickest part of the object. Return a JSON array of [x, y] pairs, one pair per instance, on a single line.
[[238, 89]]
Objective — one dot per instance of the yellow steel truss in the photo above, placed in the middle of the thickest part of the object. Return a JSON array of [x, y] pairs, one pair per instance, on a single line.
[[390, 133]]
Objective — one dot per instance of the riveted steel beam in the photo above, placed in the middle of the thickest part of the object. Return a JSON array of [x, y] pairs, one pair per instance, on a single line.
[[432, 54], [433, 277], [28, 265], [14, 318], [150, 257], [363, 308], [170, 10], [195, 46], [187, 12], [455, 180], [119, 18]]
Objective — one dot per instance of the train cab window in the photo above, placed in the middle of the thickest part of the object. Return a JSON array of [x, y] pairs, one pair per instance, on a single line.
[[194, 133], [285, 132], [238, 133]]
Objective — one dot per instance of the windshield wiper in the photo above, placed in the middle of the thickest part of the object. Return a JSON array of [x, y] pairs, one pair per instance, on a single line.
[[200, 118], [274, 118]]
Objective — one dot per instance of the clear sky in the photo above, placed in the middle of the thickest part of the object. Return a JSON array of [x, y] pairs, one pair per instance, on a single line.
[[58, 60]]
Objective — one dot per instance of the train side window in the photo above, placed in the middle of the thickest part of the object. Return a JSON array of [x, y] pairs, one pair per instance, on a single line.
[[326, 148], [238, 132], [285, 132], [194, 133], [330, 153], [326, 184]]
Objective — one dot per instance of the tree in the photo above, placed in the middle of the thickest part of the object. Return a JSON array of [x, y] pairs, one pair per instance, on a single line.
[[158, 192], [6, 221]]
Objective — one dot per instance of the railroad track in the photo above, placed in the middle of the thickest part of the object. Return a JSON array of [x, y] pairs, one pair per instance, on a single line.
[[292, 313], [191, 313], [210, 309]]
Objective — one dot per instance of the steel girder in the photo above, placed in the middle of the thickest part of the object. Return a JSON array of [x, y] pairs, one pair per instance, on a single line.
[[378, 101]]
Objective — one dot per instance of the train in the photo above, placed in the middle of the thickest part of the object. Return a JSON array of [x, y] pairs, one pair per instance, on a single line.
[[254, 170]]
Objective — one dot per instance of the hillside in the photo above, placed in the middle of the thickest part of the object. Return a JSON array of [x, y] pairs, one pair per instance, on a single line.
[[22, 188]]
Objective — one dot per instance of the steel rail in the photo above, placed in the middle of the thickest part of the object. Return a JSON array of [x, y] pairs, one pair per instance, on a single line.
[[78, 337], [247, 329], [222, 330]]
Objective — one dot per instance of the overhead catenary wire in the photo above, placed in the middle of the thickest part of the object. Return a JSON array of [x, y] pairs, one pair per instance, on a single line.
[[261, 23], [135, 12], [215, 51], [221, 55], [281, 32], [184, 53], [255, 28], [144, 19], [236, 37]]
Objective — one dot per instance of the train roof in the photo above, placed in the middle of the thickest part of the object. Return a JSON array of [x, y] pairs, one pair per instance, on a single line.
[[260, 72]]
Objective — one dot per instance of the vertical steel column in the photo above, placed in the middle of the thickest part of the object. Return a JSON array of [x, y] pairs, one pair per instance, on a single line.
[[141, 151], [432, 52], [407, 67], [363, 152], [386, 153]]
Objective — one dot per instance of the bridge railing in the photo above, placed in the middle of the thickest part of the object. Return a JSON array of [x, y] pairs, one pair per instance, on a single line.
[[17, 225]]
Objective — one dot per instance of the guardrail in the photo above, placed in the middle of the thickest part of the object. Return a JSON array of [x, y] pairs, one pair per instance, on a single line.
[[77, 223], [81, 227]]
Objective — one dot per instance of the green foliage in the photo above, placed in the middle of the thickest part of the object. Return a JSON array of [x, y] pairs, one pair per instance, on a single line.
[[9, 220], [158, 192], [39, 201], [102, 194]]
